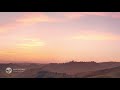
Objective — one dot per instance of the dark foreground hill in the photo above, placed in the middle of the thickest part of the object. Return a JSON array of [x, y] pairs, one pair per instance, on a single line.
[[106, 73], [63, 70], [26, 66], [72, 68], [46, 74]]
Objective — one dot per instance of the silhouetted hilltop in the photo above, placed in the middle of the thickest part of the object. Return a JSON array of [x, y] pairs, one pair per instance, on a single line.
[[73, 67]]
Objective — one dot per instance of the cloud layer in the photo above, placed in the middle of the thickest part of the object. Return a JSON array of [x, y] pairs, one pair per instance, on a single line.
[[91, 35], [31, 18]]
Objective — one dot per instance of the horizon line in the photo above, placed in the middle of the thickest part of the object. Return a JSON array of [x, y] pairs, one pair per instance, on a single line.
[[56, 62]]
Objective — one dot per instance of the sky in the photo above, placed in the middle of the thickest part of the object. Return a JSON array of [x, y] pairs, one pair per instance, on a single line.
[[50, 37]]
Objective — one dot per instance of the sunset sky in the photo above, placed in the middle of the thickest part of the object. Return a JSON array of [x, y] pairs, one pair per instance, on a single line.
[[47, 37]]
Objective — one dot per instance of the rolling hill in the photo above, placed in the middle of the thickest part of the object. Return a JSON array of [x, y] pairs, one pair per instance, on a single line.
[[106, 73], [72, 68], [63, 70]]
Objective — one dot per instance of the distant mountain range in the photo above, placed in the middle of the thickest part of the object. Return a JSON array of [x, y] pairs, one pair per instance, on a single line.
[[64, 70]]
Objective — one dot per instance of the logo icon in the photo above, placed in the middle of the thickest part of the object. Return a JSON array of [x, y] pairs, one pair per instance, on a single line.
[[8, 70]]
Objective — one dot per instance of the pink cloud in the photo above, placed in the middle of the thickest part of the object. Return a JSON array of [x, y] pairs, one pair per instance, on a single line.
[[28, 19], [7, 27], [96, 13], [93, 35], [105, 14], [116, 15], [31, 18], [73, 15], [76, 15]]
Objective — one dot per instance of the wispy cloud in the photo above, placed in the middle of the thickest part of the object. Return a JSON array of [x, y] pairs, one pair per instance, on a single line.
[[31, 18], [94, 36], [27, 19], [6, 52], [76, 15], [30, 43], [116, 15], [72, 15], [95, 13]]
